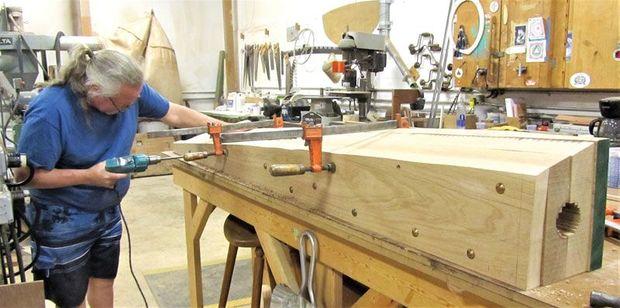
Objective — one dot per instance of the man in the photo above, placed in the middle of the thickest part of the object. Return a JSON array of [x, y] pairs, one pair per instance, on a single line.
[[89, 115]]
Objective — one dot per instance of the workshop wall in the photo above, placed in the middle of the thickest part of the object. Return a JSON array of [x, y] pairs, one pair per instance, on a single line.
[[194, 29], [409, 17]]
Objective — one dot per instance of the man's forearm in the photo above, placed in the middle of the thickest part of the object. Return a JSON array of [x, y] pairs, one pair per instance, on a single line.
[[57, 178], [180, 116]]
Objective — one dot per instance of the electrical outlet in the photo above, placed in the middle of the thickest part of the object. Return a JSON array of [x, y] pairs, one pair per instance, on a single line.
[[292, 32]]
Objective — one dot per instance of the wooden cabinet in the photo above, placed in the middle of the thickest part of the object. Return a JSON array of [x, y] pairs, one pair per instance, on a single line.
[[541, 44], [516, 70], [466, 67], [593, 26]]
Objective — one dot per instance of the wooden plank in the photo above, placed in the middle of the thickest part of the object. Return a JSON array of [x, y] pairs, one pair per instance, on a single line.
[[193, 251], [27, 294], [232, 66], [279, 259], [438, 167], [406, 285], [81, 21], [328, 286], [358, 17], [595, 35], [373, 298]]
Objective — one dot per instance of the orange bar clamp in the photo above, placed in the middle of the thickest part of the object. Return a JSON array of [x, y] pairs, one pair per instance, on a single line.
[[278, 121], [215, 130], [313, 135], [401, 121]]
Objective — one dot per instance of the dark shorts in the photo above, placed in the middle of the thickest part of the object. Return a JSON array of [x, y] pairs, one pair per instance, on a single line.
[[73, 246]]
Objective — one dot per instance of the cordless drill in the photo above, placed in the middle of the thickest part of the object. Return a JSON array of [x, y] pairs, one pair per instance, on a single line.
[[140, 162]]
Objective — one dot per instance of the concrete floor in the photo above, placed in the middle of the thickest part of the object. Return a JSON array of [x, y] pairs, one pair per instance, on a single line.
[[153, 209]]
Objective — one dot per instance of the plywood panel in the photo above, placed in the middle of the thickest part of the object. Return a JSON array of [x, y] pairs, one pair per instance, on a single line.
[[358, 17], [391, 183]]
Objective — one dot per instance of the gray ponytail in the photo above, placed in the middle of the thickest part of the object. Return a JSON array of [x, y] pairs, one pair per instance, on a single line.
[[106, 69]]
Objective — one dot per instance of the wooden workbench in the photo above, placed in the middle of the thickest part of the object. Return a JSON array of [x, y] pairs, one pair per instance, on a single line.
[[407, 277]]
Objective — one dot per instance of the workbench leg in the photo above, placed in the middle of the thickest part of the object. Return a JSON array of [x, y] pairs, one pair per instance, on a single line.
[[269, 283], [195, 219], [278, 257], [328, 284], [373, 298]]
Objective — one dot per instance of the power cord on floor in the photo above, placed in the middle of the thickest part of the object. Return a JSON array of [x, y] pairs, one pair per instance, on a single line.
[[146, 304]]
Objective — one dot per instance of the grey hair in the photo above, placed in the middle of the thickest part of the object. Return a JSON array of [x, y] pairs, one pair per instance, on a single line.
[[107, 70]]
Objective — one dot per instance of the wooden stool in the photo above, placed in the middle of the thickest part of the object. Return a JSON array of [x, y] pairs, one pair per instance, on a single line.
[[241, 234]]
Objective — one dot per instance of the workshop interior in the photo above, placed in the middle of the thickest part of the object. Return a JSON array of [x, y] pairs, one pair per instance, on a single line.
[[383, 153]]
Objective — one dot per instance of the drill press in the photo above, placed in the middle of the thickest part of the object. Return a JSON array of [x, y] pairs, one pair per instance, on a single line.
[[363, 55]]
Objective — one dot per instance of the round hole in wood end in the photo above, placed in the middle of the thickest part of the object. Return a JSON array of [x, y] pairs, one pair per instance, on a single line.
[[471, 253], [290, 189], [500, 188], [265, 165], [398, 166], [314, 186], [568, 220], [354, 212]]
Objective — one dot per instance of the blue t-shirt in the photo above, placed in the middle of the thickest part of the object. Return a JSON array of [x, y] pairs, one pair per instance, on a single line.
[[58, 133]]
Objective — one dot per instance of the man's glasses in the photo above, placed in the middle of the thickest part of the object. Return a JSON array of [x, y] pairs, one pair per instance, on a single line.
[[116, 106]]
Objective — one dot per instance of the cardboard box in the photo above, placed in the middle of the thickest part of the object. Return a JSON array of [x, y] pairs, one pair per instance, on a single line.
[[449, 121]]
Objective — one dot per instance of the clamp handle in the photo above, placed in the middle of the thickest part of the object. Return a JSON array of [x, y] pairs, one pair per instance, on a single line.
[[197, 155], [296, 169], [287, 169]]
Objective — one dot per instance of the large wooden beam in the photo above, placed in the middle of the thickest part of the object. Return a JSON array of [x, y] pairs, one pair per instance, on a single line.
[[486, 203], [232, 67]]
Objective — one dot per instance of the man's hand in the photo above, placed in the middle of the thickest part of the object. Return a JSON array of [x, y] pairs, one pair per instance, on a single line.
[[98, 176]]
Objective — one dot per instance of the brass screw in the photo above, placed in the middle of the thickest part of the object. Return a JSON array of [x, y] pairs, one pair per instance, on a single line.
[[314, 186], [500, 188], [415, 232], [265, 165], [471, 253], [354, 212], [290, 189]]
